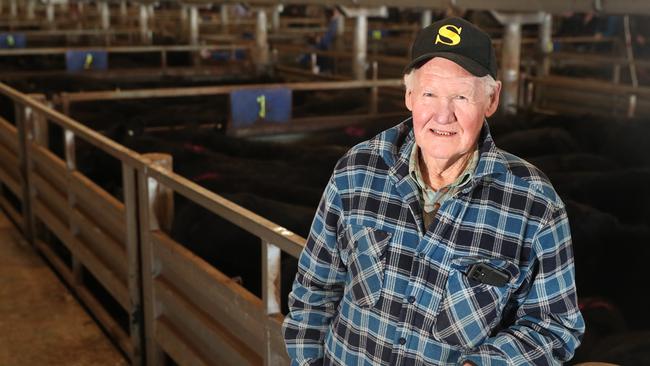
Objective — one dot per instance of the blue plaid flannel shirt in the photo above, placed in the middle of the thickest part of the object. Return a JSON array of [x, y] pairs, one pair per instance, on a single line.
[[374, 287]]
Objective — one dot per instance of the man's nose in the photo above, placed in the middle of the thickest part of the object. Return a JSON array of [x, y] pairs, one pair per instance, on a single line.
[[444, 111]]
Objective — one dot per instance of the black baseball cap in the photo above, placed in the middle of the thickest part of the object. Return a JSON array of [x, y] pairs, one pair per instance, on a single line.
[[457, 40]]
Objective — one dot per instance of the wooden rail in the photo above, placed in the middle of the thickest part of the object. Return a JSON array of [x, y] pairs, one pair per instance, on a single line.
[[192, 311], [121, 49], [584, 96]]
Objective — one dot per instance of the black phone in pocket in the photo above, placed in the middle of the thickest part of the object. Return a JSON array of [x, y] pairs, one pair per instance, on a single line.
[[486, 274]]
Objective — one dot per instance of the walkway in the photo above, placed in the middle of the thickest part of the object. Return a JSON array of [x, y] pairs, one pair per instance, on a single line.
[[40, 322]]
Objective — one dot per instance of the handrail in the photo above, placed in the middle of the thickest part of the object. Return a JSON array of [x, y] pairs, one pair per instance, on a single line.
[[119, 49], [76, 32], [591, 84], [605, 60], [248, 220], [215, 90], [111, 147]]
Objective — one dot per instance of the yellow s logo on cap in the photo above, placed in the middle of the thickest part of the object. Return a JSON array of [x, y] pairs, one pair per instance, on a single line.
[[449, 37]]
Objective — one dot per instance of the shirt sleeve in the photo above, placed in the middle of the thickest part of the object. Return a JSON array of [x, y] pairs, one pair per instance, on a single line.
[[548, 325], [318, 286]]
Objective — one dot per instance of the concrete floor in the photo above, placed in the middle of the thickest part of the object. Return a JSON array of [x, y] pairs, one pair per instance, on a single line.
[[40, 322]]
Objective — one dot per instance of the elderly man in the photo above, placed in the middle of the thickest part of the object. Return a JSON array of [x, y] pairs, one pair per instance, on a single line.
[[431, 246]]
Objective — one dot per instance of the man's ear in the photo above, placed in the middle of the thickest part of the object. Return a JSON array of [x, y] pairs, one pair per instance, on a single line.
[[494, 101], [407, 99]]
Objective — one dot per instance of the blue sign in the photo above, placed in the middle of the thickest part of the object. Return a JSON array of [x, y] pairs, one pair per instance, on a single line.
[[229, 55], [260, 105], [86, 60], [12, 40]]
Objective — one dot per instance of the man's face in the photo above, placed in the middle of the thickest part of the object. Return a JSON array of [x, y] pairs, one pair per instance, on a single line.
[[448, 106]]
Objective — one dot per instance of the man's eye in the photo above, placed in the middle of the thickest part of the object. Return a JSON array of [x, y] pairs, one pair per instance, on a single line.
[[427, 94], [460, 97]]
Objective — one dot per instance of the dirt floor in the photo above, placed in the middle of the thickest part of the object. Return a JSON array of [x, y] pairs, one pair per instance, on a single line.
[[40, 322]]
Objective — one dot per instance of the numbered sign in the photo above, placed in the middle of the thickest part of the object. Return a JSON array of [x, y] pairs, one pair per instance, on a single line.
[[260, 105], [377, 34], [12, 40], [86, 60]]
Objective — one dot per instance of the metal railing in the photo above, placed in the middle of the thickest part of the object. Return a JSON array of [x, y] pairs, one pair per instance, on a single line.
[[192, 312], [293, 125], [586, 96], [162, 50]]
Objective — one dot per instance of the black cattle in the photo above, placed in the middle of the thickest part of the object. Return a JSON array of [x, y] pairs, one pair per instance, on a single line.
[[602, 318], [322, 157], [274, 179], [574, 162], [609, 257], [629, 348], [537, 142], [621, 140], [233, 250], [623, 193]]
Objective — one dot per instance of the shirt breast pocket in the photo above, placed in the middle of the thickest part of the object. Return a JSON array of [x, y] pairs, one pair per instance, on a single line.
[[470, 310], [364, 251]]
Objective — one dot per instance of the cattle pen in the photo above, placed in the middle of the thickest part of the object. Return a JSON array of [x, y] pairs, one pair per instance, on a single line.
[[191, 311]]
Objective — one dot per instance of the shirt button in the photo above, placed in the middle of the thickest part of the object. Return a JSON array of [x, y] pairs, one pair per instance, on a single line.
[[402, 341], [411, 299], [421, 255]]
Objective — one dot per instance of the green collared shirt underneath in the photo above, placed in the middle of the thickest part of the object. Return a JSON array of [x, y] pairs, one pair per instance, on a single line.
[[430, 198]]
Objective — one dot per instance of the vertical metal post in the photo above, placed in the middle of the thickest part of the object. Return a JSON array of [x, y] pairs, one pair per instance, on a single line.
[[261, 41], [182, 30], [194, 25], [510, 67], [13, 9], [39, 126], [374, 91], [426, 18], [161, 198], [105, 14], [629, 51], [545, 44], [616, 73], [313, 61], [271, 279], [133, 259], [225, 19], [71, 164], [145, 35], [360, 47], [124, 12], [49, 11], [340, 32], [22, 114], [150, 269], [31, 5], [275, 18]]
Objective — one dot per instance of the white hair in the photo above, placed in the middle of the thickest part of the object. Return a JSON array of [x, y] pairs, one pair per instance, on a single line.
[[488, 82]]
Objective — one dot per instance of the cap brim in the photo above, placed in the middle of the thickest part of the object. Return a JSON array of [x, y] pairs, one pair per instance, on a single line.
[[466, 63]]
